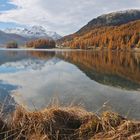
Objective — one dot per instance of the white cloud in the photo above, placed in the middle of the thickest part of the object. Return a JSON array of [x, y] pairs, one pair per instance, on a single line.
[[63, 16]]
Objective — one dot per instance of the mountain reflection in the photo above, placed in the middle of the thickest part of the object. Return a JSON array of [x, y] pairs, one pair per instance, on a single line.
[[119, 69], [110, 68]]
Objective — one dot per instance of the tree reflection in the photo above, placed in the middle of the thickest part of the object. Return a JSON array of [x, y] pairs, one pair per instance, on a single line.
[[108, 67]]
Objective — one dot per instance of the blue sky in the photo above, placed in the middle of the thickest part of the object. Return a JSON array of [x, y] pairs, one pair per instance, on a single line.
[[62, 16], [4, 25], [4, 5]]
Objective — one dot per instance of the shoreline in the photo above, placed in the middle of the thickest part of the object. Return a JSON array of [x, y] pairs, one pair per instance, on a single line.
[[136, 50], [30, 49]]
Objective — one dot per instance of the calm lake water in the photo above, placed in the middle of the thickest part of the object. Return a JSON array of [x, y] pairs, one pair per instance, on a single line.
[[86, 78]]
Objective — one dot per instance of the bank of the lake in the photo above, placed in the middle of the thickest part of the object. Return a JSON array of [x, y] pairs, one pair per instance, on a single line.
[[61, 48], [64, 123]]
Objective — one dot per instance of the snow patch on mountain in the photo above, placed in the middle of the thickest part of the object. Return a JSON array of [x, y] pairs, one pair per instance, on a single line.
[[33, 32]]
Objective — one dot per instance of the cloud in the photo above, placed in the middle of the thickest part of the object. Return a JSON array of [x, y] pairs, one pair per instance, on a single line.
[[63, 16]]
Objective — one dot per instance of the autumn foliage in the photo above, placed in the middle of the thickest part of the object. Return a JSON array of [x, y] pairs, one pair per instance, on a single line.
[[121, 37], [41, 44]]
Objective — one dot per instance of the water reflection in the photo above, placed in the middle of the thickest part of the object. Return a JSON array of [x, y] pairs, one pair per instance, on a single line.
[[78, 77], [111, 68], [7, 103]]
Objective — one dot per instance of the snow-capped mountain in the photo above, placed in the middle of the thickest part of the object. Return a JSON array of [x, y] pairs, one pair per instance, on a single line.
[[33, 32], [53, 35]]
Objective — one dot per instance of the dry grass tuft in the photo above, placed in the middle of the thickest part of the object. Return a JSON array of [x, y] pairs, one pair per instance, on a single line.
[[111, 120], [67, 123]]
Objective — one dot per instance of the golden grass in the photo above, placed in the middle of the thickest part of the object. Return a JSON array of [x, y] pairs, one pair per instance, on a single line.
[[67, 123]]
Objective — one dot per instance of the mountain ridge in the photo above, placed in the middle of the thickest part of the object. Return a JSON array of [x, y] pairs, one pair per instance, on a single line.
[[34, 32], [112, 19], [5, 38]]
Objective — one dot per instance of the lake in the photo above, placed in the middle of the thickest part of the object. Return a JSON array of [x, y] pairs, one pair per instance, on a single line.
[[98, 80]]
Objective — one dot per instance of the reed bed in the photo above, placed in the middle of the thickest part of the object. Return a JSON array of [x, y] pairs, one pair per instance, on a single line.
[[67, 123]]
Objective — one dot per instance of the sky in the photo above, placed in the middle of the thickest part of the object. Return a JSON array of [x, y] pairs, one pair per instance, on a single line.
[[63, 16]]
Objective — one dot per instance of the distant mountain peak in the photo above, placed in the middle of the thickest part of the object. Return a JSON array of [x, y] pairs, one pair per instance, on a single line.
[[33, 32], [38, 28]]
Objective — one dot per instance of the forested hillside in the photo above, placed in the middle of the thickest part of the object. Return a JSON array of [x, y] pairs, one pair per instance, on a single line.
[[125, 36], [107, 31]]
